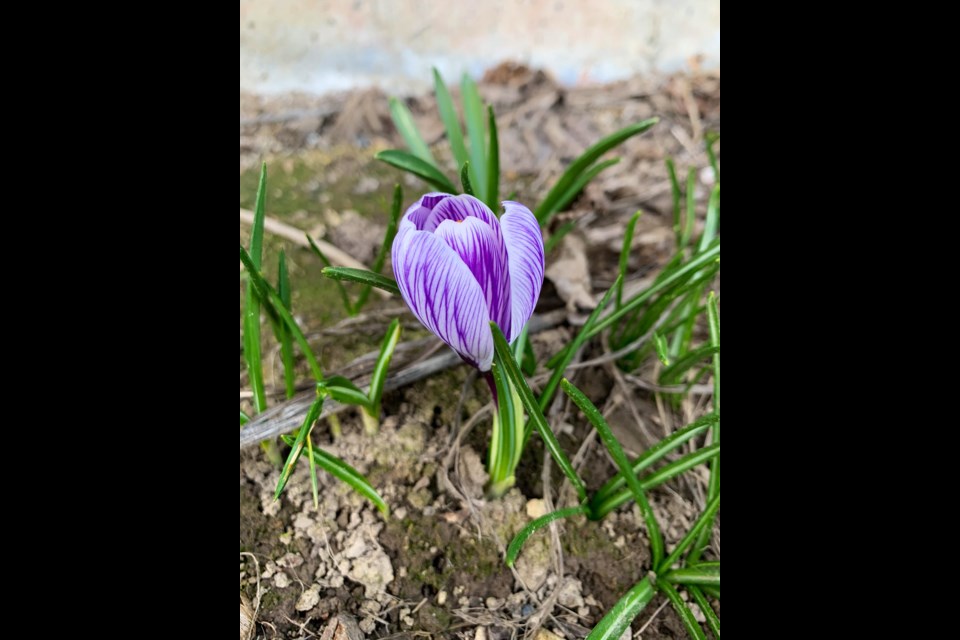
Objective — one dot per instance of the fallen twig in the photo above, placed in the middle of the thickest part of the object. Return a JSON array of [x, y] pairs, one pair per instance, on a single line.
[[288, 416], [335, 254]]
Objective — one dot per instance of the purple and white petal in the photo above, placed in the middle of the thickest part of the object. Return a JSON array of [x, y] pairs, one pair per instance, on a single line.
[[481, 248], [420, 210], [459, 208], [443, 294], [521, 235]]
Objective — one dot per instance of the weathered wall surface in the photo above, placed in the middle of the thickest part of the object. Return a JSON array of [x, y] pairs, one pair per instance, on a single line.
[[324, 45]]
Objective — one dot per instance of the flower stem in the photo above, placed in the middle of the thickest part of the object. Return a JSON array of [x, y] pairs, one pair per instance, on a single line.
[[506, 435], [371, 423]]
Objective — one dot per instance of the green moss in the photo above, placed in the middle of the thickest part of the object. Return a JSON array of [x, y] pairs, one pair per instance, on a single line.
[[305, 183]]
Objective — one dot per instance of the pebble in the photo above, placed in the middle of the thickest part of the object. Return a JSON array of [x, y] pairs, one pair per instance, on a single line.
[[309, 598]]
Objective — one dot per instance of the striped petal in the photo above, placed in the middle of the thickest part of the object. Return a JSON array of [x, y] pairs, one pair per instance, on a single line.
[[479, 246], [521, 236], [420, 210], [443, 293], [459, 208]]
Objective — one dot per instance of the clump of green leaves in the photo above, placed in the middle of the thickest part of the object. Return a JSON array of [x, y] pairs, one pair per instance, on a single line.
[[275, 303]]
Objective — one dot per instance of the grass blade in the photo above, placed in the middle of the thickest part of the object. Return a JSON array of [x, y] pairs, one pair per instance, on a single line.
[[251, 313], [625, 254], [660, 344], [363, 277], [403, 119], [713, 592], [314, 488], [465, 179], [473, 115], [450, 121], [582, 181], [581, 164], [675, 197], [673, 373], [383, 362], [385, 247], [600, 508], [713, 488], [473, 112], [344, 296], [711, 138], [565, 356], [267, 294], [520, 539], [244, 418], [684, 272], [656, 452], [296, 445], [712, 222], [616, 452], [686, 615], [344, 391], [705, 518], [703, 573], [712, 620], [344, 472], [691, 216], [412, 164], [616, 621], [493, 164], [534, 412], [283, 333]]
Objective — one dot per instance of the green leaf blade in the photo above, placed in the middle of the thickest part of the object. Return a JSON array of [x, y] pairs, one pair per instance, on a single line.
[[616, 452], [513, 550], [403, 119], [418, 167], [505, 356], [616, 621], [473, 114], [686, 615], [581, 164], [379, 378], [344, 472], [450, 120], [296, 444], [362, 276], [493, 164]]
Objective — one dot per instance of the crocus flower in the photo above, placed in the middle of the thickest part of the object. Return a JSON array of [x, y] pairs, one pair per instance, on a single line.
[[459, 267]]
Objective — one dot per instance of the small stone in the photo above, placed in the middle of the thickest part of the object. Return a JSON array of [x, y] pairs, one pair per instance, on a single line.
[[400, 513], [309, 598], [367, 625], [281, 581], [544, 634], [536, 508], [290, 560], [480, 633], [358, 546], [407, 620], [441, 598], [570, 594], [494, 603]]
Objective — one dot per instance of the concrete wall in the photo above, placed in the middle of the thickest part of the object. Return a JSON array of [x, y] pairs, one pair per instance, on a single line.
[[324, 45]]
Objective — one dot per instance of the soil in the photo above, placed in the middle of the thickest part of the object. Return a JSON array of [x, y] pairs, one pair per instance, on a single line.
[[434, 567]]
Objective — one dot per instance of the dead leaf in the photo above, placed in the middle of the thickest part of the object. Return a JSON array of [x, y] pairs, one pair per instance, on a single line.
[[570, 274]]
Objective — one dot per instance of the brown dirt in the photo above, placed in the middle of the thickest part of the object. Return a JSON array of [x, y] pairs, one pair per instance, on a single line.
[[435, 568]]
